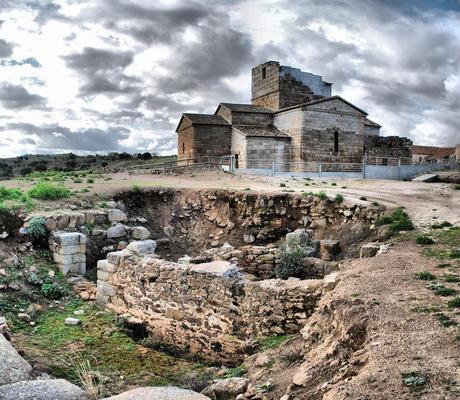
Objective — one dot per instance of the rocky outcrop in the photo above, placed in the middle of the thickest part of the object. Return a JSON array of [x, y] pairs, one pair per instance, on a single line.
[[48, 389], [13, 367], [159, 393], [207, 309]]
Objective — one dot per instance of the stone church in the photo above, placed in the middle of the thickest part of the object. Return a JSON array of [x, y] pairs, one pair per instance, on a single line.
[[293, 118]]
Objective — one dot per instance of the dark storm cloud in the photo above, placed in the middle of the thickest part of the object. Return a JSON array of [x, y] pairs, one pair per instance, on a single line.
[[6, 49], [147, 23], [17, 97], [103, 70], [55, 137]]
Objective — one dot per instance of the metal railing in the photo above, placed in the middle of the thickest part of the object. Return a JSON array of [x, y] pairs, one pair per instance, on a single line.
[[208, 162]]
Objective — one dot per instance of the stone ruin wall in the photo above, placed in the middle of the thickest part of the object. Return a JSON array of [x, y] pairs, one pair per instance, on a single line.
[[207, 309]]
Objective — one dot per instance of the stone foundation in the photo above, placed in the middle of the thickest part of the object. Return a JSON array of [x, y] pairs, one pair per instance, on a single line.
[[207, 309], [69, 252]]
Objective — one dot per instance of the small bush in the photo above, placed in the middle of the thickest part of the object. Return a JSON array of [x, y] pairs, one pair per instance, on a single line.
[[425, 276], [423, 239], [456, 187], [236, 372], [398, 220], [363, 198], [90, 180], [37, 230], [53, 291], [48, 191], [282, 185], [291, 264], [321, 195], [440, 290], [339, 198]]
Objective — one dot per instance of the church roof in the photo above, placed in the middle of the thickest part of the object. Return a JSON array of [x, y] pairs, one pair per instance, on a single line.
[[323, 100], [261, 131], [202, 119], [439, 152], [369, 122], [249, 108]]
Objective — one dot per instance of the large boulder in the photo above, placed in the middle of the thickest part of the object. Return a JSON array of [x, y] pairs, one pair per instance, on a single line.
[[226, 389], [13, 367], [302, 238], [329, 249], [159, 393], [140, 233], [48, 389]]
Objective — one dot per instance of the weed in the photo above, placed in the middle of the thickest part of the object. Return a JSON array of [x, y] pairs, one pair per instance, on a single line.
[[426, 309], [247, 189], [53, 291], [282, 184], [90, 180], [339, 198], [423, 239], [321, 195], [451, 278], [236, 372], [333, 184], [48, 191], [425, 276], [456, 187], [364, 198], [443, 224], [455, 302], [441, 290], [291, 264], [136, 188], [445, 320], [375, 203], [88, 378], [415, 381]]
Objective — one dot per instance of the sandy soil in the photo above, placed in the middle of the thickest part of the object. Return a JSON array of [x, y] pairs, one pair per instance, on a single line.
[[427, 203]]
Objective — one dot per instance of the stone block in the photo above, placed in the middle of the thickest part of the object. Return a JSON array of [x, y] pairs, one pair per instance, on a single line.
[[369, 250], [69, 238], [117, 231], [140, 233], [116, 215], [142, 247]]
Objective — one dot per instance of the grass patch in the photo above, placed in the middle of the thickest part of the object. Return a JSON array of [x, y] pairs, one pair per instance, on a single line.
[[425, 276], [423, 239], [454, 303], [445, 320], [272, 341], [236, 372], [441, 290], [441, 225], [426, 309], [48, 191], [339, 198], [451, 278]]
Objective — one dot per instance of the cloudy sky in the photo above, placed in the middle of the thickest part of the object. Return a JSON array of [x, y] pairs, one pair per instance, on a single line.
[[114, 75]]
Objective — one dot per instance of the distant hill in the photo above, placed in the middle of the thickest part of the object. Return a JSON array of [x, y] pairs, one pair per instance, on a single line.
[[112, 162]]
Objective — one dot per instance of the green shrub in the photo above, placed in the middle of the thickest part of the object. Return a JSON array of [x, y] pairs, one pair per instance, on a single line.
[[398, 220], [423, 239], [90, 180], [415, 381], [53, 291], [425, 276], [291, 263], [48, 191], [440, 290], [282, 185], [456, 187], [364, 198], [445, 320], [339, 198], [236, 372], [37, 230]]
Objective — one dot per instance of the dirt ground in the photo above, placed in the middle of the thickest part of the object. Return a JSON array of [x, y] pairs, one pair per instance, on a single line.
[[427, 203]]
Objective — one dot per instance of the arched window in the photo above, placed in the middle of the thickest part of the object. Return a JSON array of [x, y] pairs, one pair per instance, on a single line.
[[336, 142], [183, 148]]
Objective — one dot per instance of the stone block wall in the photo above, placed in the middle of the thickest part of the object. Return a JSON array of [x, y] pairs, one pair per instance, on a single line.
[[388, 146], [265, 91], [185, 141], [211, 140], [69, 252], [206, 309]]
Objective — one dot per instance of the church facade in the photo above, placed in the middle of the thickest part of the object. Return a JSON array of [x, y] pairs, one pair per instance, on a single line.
[[292, 119]]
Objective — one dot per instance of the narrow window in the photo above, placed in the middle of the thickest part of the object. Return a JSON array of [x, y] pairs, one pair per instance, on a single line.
[[336, 142], [264, 72], [183, 148]]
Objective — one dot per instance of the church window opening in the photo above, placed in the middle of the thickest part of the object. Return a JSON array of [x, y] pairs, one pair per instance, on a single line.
[[336, 142], [183, 148]]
